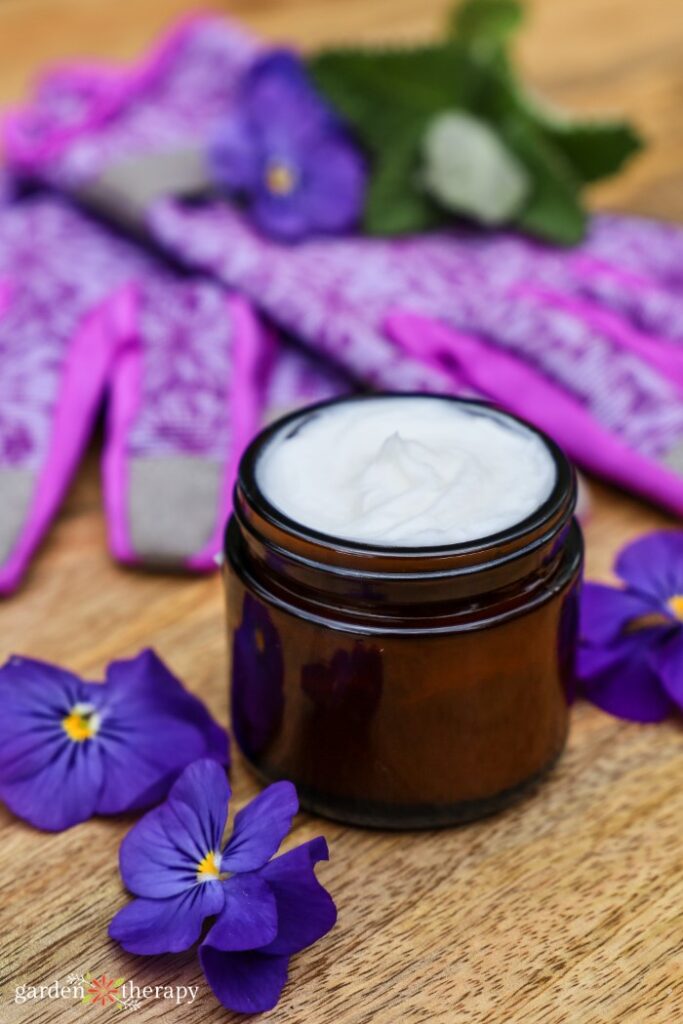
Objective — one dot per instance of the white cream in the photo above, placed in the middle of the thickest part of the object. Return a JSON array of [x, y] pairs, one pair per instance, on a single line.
[[406, 472]]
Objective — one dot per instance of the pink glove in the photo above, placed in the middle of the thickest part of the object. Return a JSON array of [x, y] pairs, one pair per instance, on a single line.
[[585, 343], [79, 311]]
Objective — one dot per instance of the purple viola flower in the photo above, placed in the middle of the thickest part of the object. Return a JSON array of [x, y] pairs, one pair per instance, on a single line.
[[631, 650], [286, 153], [70, 749], [175, 862]]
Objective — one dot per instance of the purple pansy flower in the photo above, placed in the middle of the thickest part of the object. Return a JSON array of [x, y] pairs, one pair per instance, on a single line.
[[631, 651], [174, 860], [70, 749], [285, 151]]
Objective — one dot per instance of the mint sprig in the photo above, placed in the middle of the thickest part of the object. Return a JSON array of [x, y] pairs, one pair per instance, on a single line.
[[390, 97]]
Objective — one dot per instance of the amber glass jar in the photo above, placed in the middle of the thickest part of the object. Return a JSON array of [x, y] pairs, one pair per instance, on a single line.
[[401, 687]]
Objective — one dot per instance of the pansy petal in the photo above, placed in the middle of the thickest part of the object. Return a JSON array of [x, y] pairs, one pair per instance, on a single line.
[[233, 155], [166, 926], [335, 186], [244, 982], [653, 565], [30, 749], [35, 698], [63, 792], [282, 217], [144, 754], [623, 680], [145, 681], [277, 92], [669, 661], [152, 863], [248, 919], [196, 810], [305, 910], [605, 611], [28, 683], [260, 827]]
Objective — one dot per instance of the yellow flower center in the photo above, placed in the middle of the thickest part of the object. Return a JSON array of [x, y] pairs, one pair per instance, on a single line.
[[209, 867], [676, 606], [82, 723], [280, 179]]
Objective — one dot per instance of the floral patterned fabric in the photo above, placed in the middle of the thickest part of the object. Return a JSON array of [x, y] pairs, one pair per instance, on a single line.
[[59, 266], [585, 342], [186, 368], [40, 243], [339, 294]]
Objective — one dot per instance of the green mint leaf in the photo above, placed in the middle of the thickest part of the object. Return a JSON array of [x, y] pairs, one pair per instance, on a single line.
[[387, 98], [367, 86], [486, 25], [553, 211], [595, 149], [396, 204], [469, 170]]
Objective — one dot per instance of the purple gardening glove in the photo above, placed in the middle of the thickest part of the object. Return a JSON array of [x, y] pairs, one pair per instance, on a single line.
[[58, 339], [82, 311], [585, 343]]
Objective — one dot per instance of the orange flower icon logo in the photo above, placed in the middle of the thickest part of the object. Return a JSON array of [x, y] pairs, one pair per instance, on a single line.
[[104, 991]]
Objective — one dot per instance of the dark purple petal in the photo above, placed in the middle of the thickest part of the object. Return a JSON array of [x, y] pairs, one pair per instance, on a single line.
[[244, 982], [148, 679], [305, 910], [161, 854], [46, 778], [278, 95], [63, 792], [623, 679], [30, 685], [166, 926], [196, 811], [605, 611], [335, 185], [668, 659], [152, 864], [35, 698], [281, 217], [143, 757], [260, 827], [152, 728], [248, 919], [329, 197], [653, 565], [234, 157]]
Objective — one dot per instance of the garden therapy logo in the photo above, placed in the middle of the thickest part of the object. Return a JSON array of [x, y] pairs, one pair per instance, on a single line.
[[103, 991]]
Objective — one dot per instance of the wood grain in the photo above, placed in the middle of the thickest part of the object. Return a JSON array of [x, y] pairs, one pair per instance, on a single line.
[[565, 910]]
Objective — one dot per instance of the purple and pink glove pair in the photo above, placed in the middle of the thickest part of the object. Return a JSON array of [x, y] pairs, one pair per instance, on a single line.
[[586, 343], [187, 368]]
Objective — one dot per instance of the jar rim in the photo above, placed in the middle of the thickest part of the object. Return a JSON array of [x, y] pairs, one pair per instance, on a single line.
[[247, 482]]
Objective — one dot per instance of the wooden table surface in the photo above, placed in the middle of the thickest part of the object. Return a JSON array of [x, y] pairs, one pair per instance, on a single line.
[[568, 908]]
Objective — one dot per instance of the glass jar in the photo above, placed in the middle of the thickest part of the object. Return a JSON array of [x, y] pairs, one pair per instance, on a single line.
[[401, 687]]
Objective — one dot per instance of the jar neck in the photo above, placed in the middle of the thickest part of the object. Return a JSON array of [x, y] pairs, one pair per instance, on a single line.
[[295, 567]]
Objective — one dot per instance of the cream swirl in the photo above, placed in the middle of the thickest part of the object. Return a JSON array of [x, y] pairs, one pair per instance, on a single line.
[[406, 471]]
